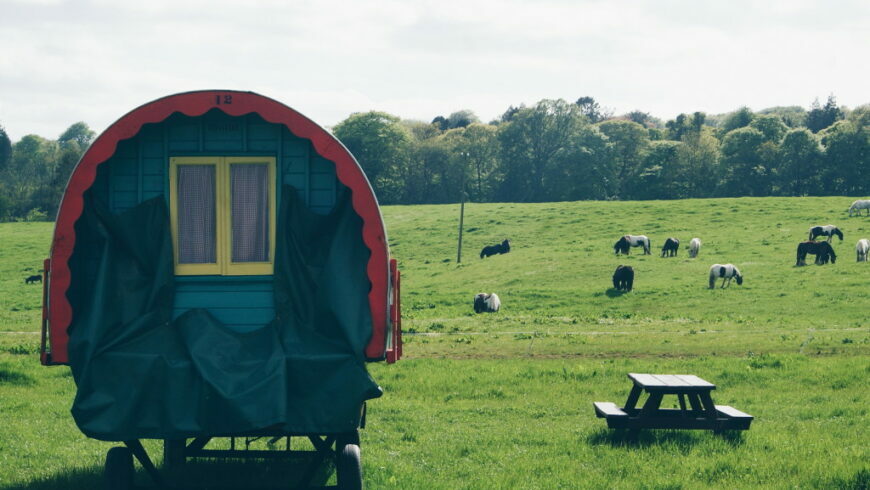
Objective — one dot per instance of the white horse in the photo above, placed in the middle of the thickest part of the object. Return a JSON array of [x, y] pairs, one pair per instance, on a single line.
[[858, 205], [726, 272], [623, 244], [826, 230], [862, 248], [694, 247], [486, 303]]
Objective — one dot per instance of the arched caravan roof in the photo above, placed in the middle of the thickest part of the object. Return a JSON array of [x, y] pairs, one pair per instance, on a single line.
[[233, 103]]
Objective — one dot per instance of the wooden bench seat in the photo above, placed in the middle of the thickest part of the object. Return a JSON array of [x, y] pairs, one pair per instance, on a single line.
[[608, 410], [735, 419]]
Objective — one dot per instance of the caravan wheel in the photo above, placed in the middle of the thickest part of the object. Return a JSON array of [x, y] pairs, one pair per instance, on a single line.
[[347, 466], [118, 472]]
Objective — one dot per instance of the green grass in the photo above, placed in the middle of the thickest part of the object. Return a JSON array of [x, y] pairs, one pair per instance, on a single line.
[[504, 400]]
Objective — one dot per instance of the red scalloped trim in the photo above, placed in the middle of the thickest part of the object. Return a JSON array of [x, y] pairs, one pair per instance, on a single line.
[[194, 104]]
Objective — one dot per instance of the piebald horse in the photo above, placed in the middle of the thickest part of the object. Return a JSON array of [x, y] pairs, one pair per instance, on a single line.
[[623, 244], [726, 272], [862, 248], [694, 247], [827, 230], [858, 205]]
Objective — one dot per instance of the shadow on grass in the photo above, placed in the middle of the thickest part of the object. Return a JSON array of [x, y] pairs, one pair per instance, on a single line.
[[197, 474], [615, 293], [682, 440]]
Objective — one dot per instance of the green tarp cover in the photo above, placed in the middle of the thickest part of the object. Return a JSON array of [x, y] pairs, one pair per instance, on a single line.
[[141, 374]]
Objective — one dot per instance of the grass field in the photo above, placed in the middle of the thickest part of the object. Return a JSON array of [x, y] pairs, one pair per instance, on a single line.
[[504, 400]]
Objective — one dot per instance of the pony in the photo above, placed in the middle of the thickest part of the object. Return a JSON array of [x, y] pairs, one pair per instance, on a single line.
[[33, 279], [861, 248], [503, 248], [623, 244], [726, 272], [694, 247], [623, 278], [669, 249], [822, 250], [858, 205], [486, 303], [827, 230]]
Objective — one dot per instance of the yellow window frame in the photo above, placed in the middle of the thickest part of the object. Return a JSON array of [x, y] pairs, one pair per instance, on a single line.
[[223, 217]]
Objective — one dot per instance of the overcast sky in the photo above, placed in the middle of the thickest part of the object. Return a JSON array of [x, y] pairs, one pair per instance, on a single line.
[[93, 61]]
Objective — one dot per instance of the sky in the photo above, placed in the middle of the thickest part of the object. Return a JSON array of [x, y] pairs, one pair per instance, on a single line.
[[95, 60]]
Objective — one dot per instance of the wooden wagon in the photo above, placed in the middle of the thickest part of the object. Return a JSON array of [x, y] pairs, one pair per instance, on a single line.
[[220, 268]]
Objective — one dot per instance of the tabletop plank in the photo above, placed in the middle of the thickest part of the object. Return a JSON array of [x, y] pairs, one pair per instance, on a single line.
[[676, 381]]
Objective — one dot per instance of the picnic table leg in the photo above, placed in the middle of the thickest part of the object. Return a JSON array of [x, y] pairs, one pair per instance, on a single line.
[[710, 408], [696, 404], [632, 399], [652, 404], [682, 405]]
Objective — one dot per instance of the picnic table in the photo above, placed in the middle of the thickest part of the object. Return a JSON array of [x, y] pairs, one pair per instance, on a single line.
[[700, 413]]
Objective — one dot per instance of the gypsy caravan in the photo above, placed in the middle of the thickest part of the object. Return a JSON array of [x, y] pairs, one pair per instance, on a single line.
[[220, 268]]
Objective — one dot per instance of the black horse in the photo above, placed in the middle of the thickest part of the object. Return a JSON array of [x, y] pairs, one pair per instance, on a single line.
[[623, 278], [822, 250], [503, 248], [827, 230], [669, 249], [33, 279]]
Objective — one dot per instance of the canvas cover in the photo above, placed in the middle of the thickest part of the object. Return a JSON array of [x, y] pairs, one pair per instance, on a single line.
[[141, 374]]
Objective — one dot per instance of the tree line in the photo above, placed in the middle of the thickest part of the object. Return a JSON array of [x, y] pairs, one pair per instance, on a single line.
[[557, 150], [553, 150]]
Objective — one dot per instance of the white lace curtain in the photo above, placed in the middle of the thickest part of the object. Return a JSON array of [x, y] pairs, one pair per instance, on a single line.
[[250, 212]]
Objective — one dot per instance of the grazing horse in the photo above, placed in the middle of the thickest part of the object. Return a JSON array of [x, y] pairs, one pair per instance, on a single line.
[[503, 248], [862, 248], [623, 244], [822, 250], [486, 303], [858, 205], [623, 278], [669, 249], [33, 279], [726, 272], [694, 247], [827, 230]]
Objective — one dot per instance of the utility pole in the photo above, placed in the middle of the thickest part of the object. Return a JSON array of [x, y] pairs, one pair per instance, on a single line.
[[464, 156]]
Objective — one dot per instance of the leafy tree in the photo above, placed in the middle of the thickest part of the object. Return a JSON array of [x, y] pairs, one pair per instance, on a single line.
[[737, 119], [592, 110], [461, 119], [800, 156], [642, 118], [428, 178], [847, 158], [793, 116], [530, 143], [5, 148], [629, 141], [581, 169], [381, 145], [820, 117], [441, 123], [661, 176], [771, 126], [79, 133], [700, 161], [742, 152], [477, 148]]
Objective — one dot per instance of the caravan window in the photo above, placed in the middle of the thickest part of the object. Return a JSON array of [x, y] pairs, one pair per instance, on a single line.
[[223, 215]]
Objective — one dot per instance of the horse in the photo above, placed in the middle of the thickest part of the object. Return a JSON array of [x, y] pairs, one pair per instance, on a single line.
[[669, 249], [486, 303], [861, 248], [623, 278], [502, 248], [694, 247], [858, 205], [33, 279], [726, 272], [827, 230], [822, 250], [623, 244]]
